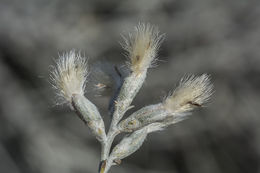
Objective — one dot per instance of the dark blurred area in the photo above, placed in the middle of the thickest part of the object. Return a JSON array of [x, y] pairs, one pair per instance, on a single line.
[[219, 37]]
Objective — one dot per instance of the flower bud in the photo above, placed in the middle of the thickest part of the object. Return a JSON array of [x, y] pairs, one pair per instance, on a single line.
[[133, 142], [89, 113], [143, 117], [142, 47]]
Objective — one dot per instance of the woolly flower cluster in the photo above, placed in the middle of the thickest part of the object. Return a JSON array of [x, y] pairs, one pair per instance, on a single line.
[[142, 46], [69, 75], [69, 79]]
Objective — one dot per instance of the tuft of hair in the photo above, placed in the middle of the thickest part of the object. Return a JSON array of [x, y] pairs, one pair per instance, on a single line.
[[69, 75], [142, 46], [193, 91]]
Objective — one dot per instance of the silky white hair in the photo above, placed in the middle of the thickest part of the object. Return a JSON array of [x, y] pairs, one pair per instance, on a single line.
[[142, 46], [69, 75], [193, 91]]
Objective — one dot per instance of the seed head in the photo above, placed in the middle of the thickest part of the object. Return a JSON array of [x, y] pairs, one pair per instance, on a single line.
[[193, 91], [69, 75], [142, 46]]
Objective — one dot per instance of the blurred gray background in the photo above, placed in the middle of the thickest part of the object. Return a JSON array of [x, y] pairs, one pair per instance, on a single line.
[[219, 37]]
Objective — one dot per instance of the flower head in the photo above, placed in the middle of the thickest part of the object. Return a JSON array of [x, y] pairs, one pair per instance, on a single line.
[[69, 75], [193, 91], [142, 46]]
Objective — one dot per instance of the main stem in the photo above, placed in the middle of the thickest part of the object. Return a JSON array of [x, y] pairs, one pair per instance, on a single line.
[[106, 163]]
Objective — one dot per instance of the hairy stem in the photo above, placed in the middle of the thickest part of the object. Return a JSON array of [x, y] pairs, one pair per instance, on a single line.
[[105, 150]]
